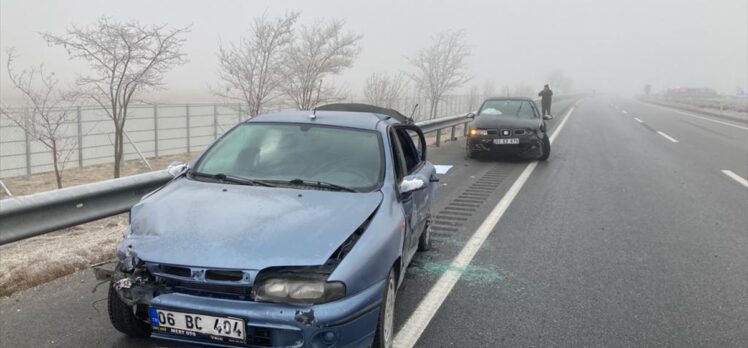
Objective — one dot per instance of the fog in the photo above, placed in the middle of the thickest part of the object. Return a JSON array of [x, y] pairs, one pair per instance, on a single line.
[[608, 46]]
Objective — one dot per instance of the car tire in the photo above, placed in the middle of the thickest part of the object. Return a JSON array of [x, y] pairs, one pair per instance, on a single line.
[[546, 148], [122, 317], [424, 241], [385, 334]]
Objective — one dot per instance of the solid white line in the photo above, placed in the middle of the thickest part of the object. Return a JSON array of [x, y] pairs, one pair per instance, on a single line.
[[638, 120], [419, 320], [697, 116], [735, 177], [667, 137], [624, 111]]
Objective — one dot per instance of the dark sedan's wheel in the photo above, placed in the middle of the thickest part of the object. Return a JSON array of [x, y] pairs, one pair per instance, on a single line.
[[385, 334], [123, 318], [546, 148], [424, 242]]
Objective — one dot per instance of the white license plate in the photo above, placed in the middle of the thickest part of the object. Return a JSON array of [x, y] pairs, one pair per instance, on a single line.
[[508, 141], [197, 325]]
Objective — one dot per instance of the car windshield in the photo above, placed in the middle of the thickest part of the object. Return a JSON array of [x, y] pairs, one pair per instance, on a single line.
[[509, 108], [291, 152]]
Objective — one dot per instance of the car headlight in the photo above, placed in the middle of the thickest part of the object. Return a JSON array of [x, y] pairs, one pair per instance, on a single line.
[[297, 288], [474, 132]]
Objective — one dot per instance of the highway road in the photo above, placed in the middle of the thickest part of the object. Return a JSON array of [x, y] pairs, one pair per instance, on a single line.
[[634, 233]]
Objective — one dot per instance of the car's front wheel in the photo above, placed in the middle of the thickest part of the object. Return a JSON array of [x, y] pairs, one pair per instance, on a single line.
[[385, 334], [546, 148], [123, 316]]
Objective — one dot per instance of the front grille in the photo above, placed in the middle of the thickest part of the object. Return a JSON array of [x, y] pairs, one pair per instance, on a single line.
[[519, 132], [226, 276], [492, 131], [259, 336], [220, 290], [176, 271]]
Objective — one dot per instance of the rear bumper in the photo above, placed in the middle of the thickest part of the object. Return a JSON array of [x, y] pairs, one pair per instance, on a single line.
[[529, 146], [349, 322]]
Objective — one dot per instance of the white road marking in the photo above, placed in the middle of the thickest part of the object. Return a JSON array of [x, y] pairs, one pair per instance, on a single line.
[[735, 177], [667, 137], [699, 117], [419, 320], [624, 111], [638, 120]]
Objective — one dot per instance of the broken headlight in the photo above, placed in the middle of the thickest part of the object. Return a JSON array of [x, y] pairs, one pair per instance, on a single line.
[[296, 288]]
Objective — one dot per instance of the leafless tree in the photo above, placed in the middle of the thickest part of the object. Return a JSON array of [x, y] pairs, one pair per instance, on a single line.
[[559, 81], [384, 90], [251, 71], [441, 67], [125, 58], [46, 113], [319, 51], [524, 90]]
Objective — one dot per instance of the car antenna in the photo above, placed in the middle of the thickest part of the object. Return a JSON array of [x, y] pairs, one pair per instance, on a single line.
[[415, 107]]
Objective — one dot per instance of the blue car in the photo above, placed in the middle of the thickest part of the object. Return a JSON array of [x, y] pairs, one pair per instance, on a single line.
[[293, 229]]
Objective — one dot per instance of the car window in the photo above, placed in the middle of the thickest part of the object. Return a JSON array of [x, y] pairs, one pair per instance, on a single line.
[[336, 155], [508, 108], [411, 151], [398, 159]]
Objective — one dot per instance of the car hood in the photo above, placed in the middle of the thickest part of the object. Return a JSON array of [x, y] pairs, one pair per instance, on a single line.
[[485, 121], [214, 225]]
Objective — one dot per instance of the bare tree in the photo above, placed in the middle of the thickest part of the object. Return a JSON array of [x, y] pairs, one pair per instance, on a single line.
[[319, 51], [441, 67], [384, 90], [46, 113], [251, 71], [559, 81], [125, 58]]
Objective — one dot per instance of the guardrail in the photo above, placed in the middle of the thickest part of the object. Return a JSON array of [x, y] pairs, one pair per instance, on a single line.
[[28, 216]]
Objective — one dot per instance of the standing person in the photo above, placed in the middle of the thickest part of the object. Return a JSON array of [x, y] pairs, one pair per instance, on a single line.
[[546, 95]]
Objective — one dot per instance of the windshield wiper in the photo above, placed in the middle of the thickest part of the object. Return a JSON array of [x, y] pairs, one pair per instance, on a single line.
[[321, 184], [232, 179]]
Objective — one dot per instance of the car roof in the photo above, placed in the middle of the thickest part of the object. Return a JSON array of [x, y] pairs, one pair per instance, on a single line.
[[509, 98], [360, 120]]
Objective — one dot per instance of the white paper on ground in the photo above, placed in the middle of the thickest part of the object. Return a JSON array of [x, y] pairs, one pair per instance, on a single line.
[[442, 168]]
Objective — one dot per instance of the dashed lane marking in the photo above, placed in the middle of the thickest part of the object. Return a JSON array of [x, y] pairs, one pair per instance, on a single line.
[[735, 177], [667, 136]]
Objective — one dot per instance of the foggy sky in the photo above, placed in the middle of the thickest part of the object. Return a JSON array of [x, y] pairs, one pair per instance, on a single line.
[[614, 46]]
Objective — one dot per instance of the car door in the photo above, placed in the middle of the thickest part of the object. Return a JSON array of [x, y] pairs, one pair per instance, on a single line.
[[407, 201], [413, 147]]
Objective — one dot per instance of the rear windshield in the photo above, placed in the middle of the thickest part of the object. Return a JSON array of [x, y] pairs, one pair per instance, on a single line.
[[508, 108], [341, 156]]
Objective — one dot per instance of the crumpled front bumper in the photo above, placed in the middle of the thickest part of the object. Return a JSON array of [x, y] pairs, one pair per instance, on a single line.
[[349, 322], [529, 146]]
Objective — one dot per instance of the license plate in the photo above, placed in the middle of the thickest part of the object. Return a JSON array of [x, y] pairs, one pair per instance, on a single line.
[[197, 325], [508, 141]]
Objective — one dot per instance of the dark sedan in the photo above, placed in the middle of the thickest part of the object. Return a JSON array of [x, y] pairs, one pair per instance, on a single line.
[[509, 126]]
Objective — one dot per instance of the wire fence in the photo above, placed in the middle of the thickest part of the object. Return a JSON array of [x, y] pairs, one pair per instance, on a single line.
[[154, 130]]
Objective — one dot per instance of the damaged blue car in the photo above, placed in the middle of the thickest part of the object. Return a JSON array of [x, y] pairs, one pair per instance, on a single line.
[[293, 229]]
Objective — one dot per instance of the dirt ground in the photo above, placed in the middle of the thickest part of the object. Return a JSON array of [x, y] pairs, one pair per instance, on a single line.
[[37, 260]]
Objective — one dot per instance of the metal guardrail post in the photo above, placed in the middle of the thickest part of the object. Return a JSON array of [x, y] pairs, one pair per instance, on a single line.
[[187, 122], [452, 136], [438, 137], [215, 121], [78, 116], [27, 141], [465, 128], [155, 130]]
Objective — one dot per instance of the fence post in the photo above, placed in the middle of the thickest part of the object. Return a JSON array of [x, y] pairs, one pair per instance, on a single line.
[[187, 118], [155, 130], [27, 121], [215, 121], [80, 136]]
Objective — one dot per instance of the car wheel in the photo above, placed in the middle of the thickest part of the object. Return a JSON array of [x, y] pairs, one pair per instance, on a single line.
[[424, 242], [123, 318], [385, 334], [546, 148]]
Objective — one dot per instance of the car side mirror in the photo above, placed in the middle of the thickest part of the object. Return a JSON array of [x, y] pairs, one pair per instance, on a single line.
[[177, 168], [470, 115], [547, 117], [412, 183]]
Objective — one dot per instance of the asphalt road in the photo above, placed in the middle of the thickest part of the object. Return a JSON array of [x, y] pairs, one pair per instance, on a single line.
[[623, 238]]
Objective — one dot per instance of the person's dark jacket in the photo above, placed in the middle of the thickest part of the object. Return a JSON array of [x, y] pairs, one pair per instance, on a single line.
[[545, 96]]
